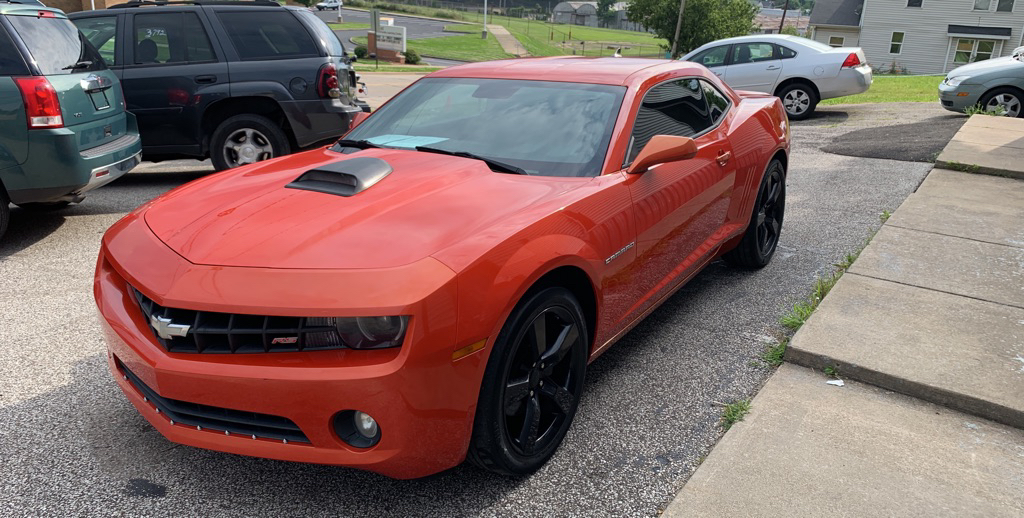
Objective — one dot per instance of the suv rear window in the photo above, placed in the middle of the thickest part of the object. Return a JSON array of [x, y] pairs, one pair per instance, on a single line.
[[56, 45], [267, 35]]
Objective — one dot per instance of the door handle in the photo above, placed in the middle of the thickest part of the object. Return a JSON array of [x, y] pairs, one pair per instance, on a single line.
[[206, 79], [723, 157], [773, 67]]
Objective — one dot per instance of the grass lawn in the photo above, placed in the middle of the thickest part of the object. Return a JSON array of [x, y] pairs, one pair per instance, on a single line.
[[348, 26], [469, 47], [894, 89]]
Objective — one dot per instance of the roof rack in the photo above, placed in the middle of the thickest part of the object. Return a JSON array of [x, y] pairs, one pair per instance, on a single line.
[[143, 3]]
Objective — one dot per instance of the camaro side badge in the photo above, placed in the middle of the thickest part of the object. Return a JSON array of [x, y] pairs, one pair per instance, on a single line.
[[166, 328], [620, 252]]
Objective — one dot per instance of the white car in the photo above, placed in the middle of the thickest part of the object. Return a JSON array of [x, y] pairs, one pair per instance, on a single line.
[[798, 70], [329, 4]]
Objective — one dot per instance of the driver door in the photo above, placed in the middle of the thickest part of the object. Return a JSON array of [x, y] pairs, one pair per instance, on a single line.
[[678, 206]]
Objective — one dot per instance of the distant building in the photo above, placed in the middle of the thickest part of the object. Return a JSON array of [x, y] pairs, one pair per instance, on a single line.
[[585, 13], [921, 36], [767, 20]]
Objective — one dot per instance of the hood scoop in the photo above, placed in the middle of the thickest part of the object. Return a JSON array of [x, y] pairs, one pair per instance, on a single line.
[[343, 178]]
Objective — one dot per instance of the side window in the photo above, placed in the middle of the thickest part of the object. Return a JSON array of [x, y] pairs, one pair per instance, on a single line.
[[673, 108], [752, 52], [717, 102], [786, 52], [170, 38], [267, 34], [101, 31], [11, 63], [836, 41], [713, 57]]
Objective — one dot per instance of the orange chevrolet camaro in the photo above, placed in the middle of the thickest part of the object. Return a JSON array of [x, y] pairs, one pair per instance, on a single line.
[[432, 287]]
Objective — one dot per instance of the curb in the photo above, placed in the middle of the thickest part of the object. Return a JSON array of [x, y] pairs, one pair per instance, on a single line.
[[976, 169], [939, 396]]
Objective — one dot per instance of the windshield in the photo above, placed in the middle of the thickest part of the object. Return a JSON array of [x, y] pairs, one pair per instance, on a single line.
[[545, 128], [56, 45]]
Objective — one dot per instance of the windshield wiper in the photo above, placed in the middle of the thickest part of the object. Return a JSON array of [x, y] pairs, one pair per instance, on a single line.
[[80, 64], [359, 144], [493, 164]]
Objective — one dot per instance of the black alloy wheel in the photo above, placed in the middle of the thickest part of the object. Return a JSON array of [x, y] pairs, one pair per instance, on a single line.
[[761, 239], [532, 385]]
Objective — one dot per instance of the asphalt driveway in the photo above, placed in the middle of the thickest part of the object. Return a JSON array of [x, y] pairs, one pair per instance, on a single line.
[[70, 444]]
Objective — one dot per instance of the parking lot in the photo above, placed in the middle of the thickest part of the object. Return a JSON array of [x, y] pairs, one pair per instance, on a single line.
[[71, 444]]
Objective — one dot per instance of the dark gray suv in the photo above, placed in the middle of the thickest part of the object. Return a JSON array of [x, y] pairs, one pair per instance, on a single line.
[[235, 81]]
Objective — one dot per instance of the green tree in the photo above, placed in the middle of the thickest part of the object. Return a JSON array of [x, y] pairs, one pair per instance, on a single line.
[[605, 14], [703, 20]]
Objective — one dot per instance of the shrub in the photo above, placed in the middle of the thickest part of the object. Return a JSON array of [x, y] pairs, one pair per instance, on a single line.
[[360, 51], [412, 57]]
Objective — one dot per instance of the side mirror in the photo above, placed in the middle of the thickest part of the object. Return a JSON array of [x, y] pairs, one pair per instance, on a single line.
[[358, 118], [661, 149]]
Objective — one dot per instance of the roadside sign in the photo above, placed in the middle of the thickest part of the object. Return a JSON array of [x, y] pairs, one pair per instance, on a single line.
[[391, 37], [374, 19]]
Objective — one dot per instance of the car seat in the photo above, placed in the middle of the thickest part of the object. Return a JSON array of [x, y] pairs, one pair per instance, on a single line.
[[743, 54]]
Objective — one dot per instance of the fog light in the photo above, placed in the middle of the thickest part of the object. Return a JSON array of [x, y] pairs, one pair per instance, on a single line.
[[356, 428], [365, 424]]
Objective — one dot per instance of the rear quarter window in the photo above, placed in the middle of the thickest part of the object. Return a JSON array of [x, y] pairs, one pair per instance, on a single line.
[[267, 35], [327, 38], [56, 45], [11, 63]]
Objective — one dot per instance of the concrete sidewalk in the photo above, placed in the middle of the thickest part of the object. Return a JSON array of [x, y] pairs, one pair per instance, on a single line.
[[932, 315], [508, 42]]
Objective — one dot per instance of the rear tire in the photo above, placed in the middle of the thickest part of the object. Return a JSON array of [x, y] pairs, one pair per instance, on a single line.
[[246, 139], [799, 100], [1011, 100], [530, 392], [5, 210], [761, 239]]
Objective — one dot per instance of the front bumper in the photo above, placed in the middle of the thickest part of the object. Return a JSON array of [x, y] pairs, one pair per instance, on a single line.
[[959, 98], [423, 401]]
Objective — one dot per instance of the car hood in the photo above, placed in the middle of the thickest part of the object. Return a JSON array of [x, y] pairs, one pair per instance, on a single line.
[[1004, 64], [249, 218]]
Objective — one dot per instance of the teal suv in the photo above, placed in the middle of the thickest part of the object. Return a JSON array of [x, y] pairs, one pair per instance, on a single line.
[[64, 130]]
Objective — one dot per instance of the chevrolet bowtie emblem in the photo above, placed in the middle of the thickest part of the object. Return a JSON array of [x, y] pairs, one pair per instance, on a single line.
[[166, 328]]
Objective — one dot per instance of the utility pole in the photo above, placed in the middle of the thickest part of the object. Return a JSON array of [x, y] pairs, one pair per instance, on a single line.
[[679, 24], [783, 22], [484, 35]]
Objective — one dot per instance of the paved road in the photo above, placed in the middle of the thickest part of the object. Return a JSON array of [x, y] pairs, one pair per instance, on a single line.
[[415, 28], [70, 444]]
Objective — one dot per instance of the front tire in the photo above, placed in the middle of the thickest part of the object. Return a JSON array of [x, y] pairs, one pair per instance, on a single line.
[[531, 387], [246, 139], [761, 239], [799, 99], [1009, 99]]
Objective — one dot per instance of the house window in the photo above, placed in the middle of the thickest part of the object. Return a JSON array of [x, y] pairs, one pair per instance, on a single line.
[[969, 51], [1004, 6], [836, 41], [982, 5], [914, 3], [896, 43]]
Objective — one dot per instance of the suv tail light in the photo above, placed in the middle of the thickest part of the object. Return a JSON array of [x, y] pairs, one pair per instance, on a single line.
[[851, 61], [41, 104], [327, 82]]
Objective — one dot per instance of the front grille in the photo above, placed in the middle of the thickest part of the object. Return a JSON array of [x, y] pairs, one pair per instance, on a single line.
[[216, 419], [211, 332]]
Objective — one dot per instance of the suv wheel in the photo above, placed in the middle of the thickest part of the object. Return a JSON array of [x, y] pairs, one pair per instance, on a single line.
[[246, 139]]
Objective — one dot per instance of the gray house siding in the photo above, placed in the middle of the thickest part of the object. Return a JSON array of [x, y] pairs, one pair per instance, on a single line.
[[850, 35], [928, 47]]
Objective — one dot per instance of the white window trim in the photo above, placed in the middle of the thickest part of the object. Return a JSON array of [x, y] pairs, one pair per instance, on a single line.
[[997, 50], [901, 43], [842, 41], [995, 7]]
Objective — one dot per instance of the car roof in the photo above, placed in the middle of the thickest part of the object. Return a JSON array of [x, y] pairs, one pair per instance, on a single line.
[[572, 69]]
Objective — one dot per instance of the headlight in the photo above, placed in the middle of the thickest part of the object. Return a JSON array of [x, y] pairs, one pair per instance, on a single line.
[[367, 332], [955, 81]]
